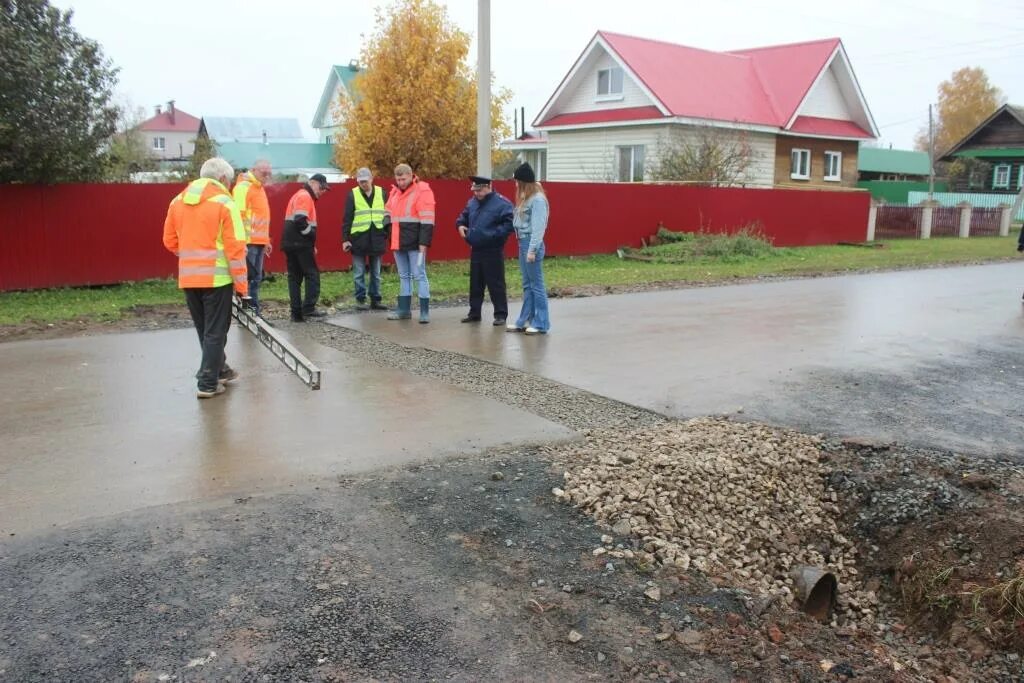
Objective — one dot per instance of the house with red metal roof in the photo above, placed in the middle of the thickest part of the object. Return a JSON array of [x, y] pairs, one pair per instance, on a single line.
[[170, 134], [798, 108]]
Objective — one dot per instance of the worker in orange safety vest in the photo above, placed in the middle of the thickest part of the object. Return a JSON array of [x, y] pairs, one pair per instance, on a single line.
[[298, 242], [251, 200], [204, 230], [409, 215]]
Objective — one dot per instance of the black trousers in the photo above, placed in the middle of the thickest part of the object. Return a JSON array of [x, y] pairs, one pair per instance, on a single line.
[[302, 267], [487, 269], [210, 308]]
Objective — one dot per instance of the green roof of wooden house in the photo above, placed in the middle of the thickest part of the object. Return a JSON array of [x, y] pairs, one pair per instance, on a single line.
[[902, 161]]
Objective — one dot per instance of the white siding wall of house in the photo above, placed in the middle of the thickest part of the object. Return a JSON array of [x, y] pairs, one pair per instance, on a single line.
[[582, 96], [175, 145], [592, 155], [826, 99]]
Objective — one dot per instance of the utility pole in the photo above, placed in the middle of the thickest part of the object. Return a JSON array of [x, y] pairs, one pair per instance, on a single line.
[[931, 155], [483, 88]]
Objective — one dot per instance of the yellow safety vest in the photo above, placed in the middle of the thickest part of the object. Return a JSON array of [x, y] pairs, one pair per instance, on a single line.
[[366, 214]]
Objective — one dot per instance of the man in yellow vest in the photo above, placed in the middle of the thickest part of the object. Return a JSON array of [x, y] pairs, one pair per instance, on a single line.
[[364, 235], [251, 200], [204, 230]]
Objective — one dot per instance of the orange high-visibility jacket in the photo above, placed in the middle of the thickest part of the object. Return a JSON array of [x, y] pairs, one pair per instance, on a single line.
[[204, 229], [252, 203], [299, 221], [411, 215]]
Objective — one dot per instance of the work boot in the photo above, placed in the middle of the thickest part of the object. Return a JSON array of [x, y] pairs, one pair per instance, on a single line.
[[315, 313], [424, 311], [297, 318], [376, 305], [404, 310], [470, 319], [361, 305]]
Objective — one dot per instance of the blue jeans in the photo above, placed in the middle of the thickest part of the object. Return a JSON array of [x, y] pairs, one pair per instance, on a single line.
[[412, 265], [254, 256], [535, 295], [359, 269]]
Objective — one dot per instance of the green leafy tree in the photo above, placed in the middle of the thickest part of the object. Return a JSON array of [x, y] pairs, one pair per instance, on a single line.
[[416, 97], [56, 116]]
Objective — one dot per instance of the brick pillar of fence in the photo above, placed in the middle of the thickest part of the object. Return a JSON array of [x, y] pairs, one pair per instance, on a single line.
[[927, 209], [1004, 220], [965, 219], [872, 220]]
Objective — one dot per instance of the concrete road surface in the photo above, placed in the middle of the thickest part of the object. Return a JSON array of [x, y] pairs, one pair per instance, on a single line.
[[106, 424], [932, 357]]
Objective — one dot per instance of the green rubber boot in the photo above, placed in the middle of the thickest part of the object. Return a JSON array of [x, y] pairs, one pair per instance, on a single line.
[[404, 309]]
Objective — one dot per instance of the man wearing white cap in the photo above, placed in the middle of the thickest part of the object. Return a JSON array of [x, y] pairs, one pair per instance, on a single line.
[[364, 235]]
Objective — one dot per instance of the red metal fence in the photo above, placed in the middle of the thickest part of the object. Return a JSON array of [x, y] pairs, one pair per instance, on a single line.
[[70, 235]]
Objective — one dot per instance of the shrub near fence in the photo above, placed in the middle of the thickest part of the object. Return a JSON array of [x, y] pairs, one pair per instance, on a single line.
[[69, 235]]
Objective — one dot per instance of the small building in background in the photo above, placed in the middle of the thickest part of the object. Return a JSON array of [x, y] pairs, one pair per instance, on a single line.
[[338, 87], [223, 129], [998, 142], [290, 160], [892, 174], [170, 134]]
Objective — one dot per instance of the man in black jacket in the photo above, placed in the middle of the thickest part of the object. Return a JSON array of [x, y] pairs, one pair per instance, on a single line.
[[298, 242], [364, 234], [485, 224]]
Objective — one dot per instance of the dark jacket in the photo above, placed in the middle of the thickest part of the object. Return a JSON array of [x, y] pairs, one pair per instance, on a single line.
[[489, 221], [374, 241], [304, 221]]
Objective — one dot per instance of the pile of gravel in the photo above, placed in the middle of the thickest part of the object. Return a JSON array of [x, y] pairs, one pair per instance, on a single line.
[[743, 501]]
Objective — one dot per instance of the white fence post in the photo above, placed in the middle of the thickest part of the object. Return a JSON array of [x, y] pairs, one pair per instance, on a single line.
[[926, 219], [1004, 220], [965, 219], [872, 219]]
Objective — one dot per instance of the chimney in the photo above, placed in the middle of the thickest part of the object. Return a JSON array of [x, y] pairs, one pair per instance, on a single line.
[[170, 110], [265, 137], [158, 110], [353, 64]]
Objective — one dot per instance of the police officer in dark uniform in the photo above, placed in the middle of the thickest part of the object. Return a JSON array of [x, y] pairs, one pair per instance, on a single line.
[[486, 224]]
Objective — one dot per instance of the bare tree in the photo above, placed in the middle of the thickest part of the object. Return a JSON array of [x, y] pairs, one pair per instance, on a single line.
[[703, 154]]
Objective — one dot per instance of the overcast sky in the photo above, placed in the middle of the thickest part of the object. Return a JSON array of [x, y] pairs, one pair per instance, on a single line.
[[263, 58]]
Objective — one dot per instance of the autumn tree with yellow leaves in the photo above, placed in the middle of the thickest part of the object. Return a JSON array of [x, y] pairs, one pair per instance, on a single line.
[[415, 97], [965, 100]]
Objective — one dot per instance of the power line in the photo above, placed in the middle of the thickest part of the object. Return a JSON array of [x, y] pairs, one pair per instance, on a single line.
[[899, 123], [986, 43]]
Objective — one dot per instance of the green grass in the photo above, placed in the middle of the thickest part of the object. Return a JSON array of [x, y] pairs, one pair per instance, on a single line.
[[450, 280]]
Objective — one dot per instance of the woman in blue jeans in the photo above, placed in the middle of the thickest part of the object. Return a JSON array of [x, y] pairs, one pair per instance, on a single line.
[[531, 221]]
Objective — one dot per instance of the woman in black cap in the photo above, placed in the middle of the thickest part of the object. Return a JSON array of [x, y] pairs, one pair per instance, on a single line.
[[531, 221]]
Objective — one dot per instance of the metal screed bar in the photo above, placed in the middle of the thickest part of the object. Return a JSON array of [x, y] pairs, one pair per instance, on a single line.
[[292, 358]]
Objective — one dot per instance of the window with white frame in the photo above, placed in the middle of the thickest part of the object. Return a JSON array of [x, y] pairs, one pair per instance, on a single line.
[[1001, 176], [1020, 176], [329, 139], [630, 164], [834, 166], [159, 144], [609, 83], [800, 164]]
